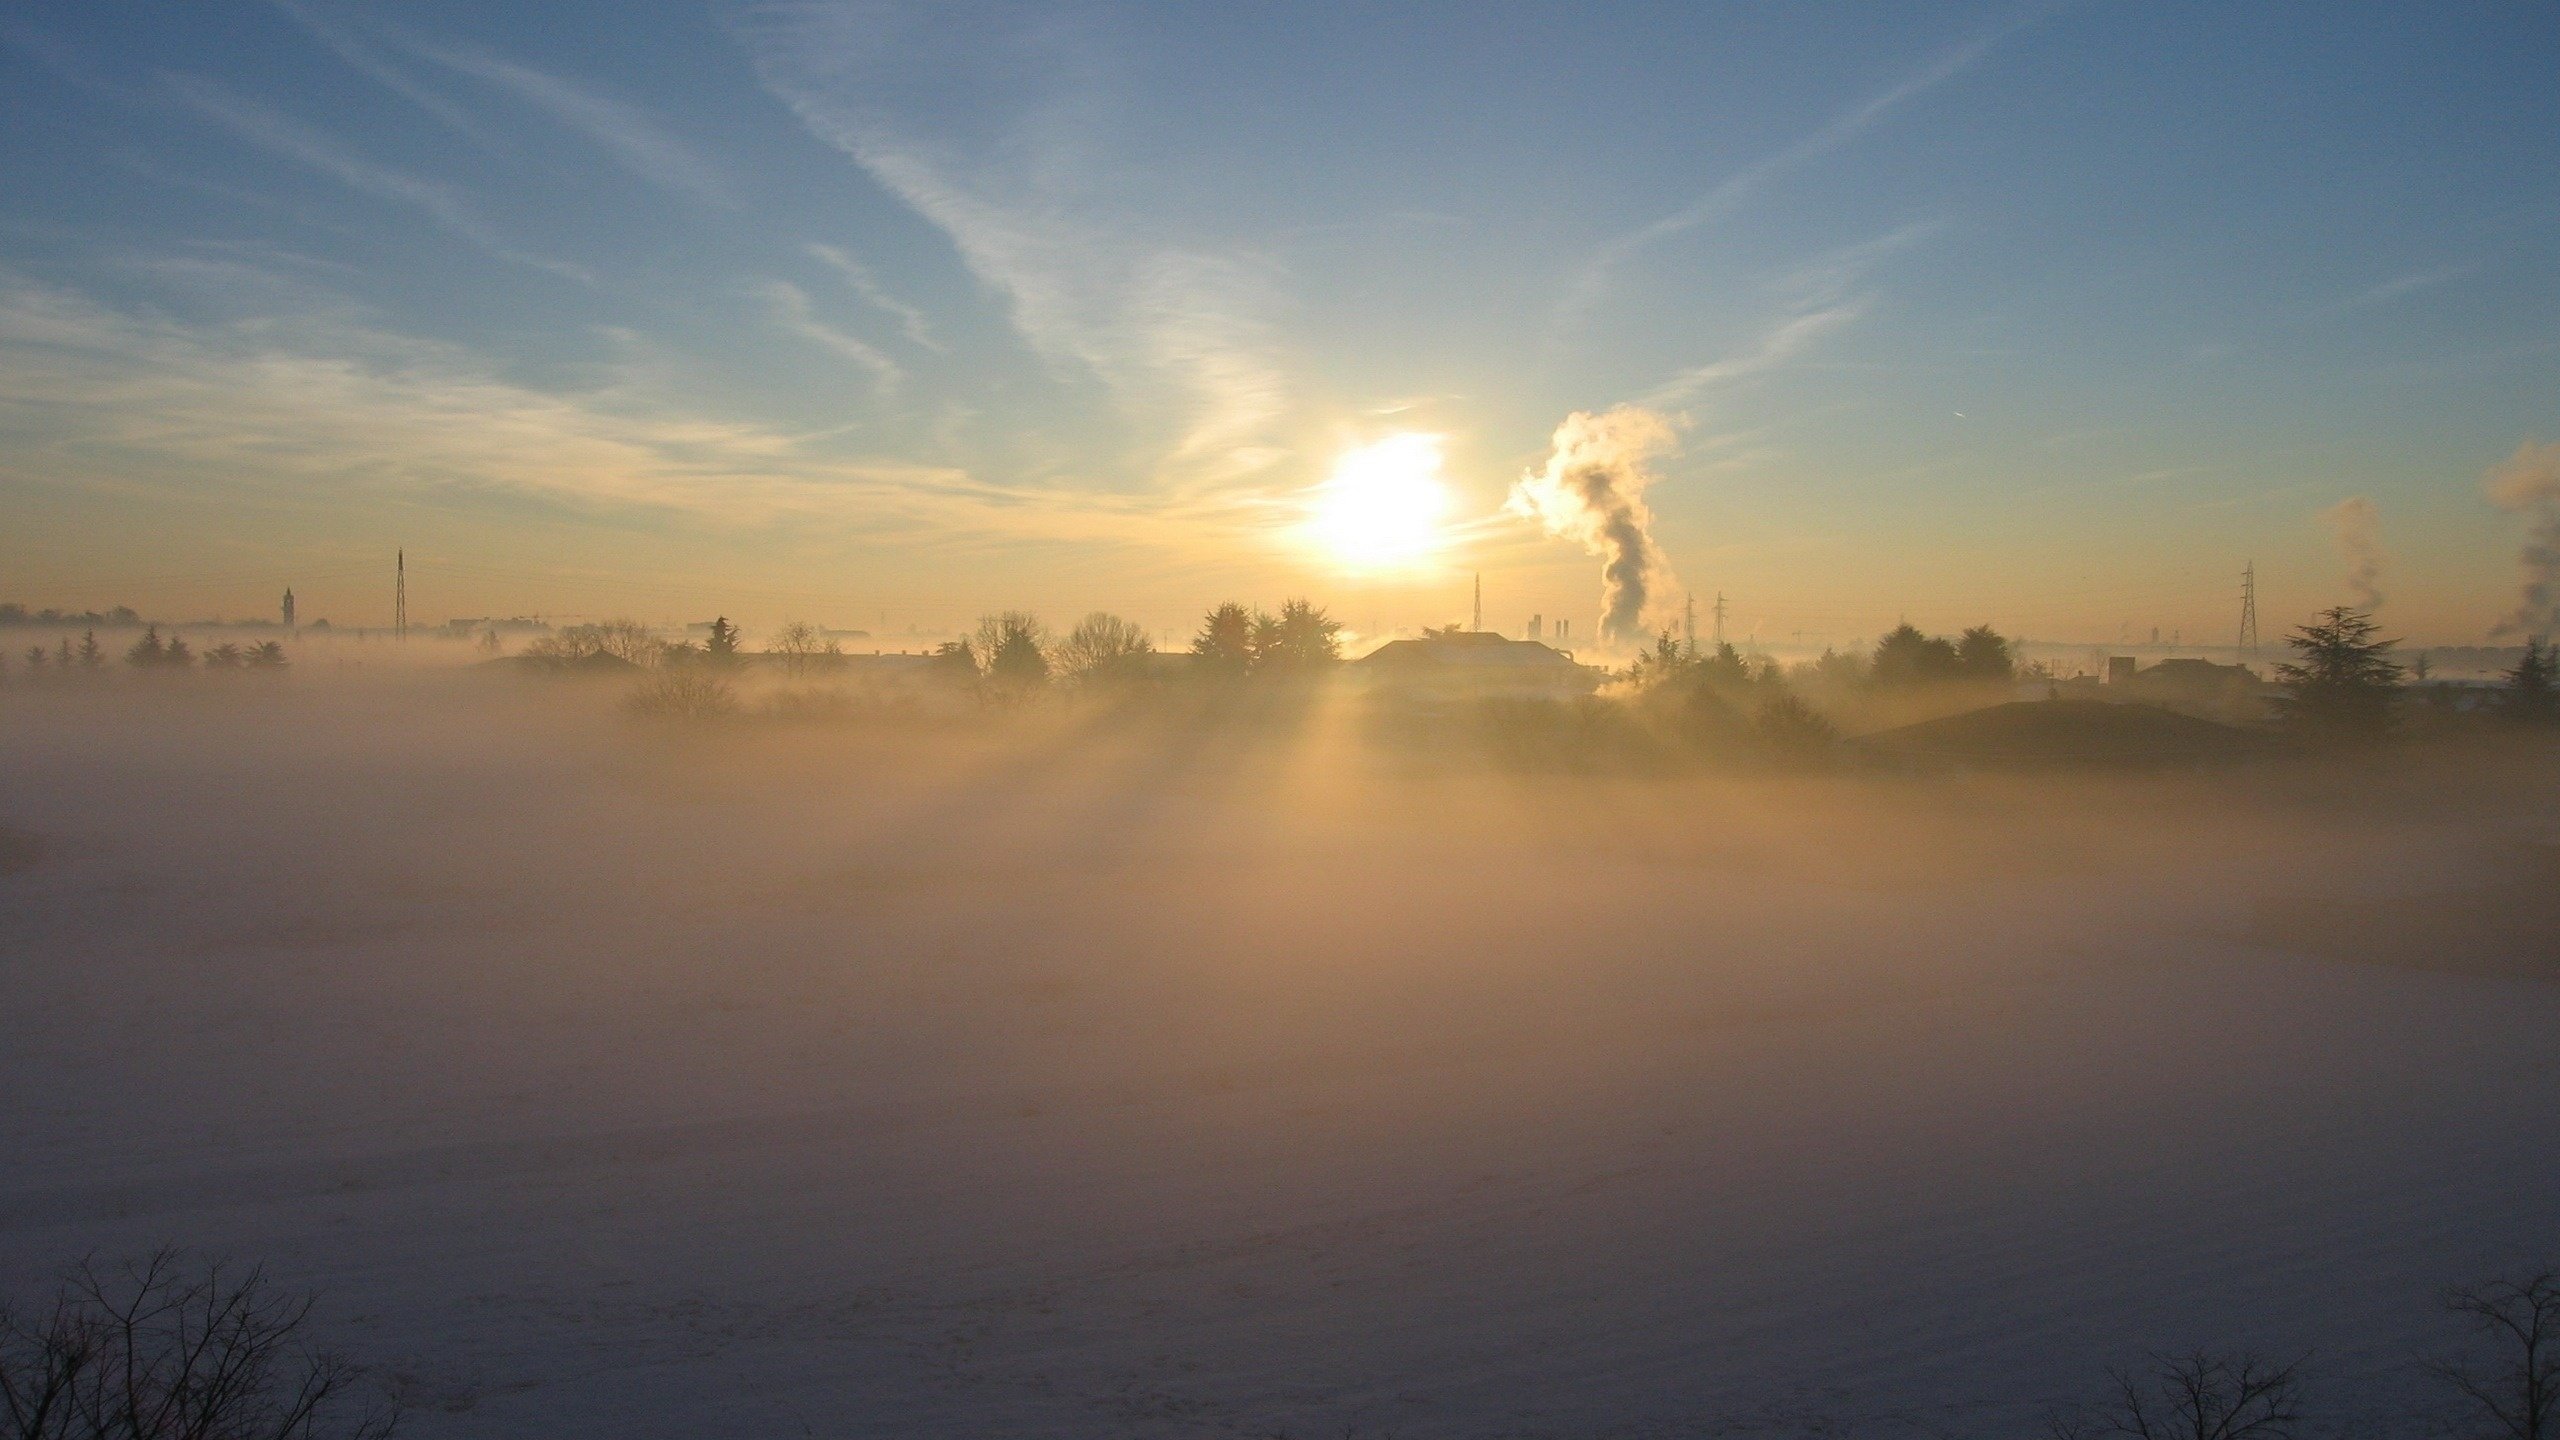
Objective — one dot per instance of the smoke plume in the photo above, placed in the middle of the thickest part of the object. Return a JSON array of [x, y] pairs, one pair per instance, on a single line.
[[2358, 528], [2529, 484], [1592, 493]]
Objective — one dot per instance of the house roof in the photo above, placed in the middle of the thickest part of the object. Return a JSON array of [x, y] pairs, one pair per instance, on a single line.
[[1468, 649]]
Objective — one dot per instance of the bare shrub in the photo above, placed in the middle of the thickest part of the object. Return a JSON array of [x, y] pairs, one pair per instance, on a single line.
[[609, 643], [1103, 649], [802, 647], [163, 1349], [2194, 1397], [1793, 731], [682, 692]]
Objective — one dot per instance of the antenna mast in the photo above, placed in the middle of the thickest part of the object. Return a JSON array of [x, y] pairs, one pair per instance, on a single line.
[[400, 597], [2248, 645], [1719, 620], [1479, 622]]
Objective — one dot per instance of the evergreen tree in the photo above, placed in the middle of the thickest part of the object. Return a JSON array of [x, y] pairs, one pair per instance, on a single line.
[[2344, 682], [1667, 665], [1983, 654], [954, 663], [1014, 647], [1301, 637], [267, 655], [1225, 642], [1907, 657], [62, 654], [36, 657], [2529, 694], [1264, 646], [721, 646], [92, 655], [177, 655], [147, 652]]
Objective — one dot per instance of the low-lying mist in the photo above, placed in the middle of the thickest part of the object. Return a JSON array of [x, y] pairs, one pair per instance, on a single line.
[[1277, 1061]]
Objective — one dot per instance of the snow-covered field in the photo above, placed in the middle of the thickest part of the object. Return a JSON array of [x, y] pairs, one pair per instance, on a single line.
[[1075, 1078]]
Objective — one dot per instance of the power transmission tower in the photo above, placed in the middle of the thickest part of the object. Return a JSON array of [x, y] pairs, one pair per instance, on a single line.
[[1689, 622], [1719, 620], [1479, 625], [2248, 646], [400, 597]]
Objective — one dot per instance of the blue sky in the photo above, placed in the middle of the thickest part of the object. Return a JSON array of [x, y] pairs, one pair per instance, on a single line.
[[2043, 315]]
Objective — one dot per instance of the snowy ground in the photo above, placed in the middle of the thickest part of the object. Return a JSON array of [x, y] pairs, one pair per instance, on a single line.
[[1095, 1080]]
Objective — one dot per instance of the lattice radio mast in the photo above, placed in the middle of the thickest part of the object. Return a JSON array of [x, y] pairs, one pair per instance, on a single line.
[[400, 597], [1719, 620], [2248, 646]]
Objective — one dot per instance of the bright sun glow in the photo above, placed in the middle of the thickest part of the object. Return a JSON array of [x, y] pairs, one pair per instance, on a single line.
[[1384, 506]]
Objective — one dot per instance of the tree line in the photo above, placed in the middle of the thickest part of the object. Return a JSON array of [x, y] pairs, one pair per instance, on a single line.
[[151, 653]]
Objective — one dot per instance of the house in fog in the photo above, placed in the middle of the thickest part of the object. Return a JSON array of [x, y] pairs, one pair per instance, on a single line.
[[2200, 687], [1464, 663]]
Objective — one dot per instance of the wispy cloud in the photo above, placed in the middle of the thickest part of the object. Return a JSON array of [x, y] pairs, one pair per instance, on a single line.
[[1783, 342], [1182, 333], [440, 203], [320, 397], [1822, 300], [1600, 269], [367, 59], [787, 305], [911, 321], [2397, 288], [635, 141]]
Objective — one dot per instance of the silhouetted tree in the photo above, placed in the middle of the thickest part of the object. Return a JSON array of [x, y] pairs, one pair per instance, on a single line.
[[225, 656], [1265, 643], [1983, 654], [36, 657], [164, 1350], [92, 654], [1103, 649], [2528, 694], [2518, 1393], [147, 653], [176, 655], [1014, 646], [801, 647], [62, 654], [1666, 665], [1225, 642], [1907, 657], [954, 663], [1792, 729], [720, 647], [2344, 683], [2194, 1397], [267, 655], [1300, 637]]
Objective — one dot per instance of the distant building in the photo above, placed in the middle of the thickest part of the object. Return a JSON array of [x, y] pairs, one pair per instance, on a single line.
[[2200, 687], [1463, 663], [288, 607]]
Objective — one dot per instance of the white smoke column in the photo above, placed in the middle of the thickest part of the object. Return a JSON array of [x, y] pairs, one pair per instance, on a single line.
[[2358, 527], [1592, 493], [2529, 484]]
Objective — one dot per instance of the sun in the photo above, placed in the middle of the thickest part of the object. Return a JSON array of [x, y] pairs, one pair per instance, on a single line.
[[1384, 506]]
